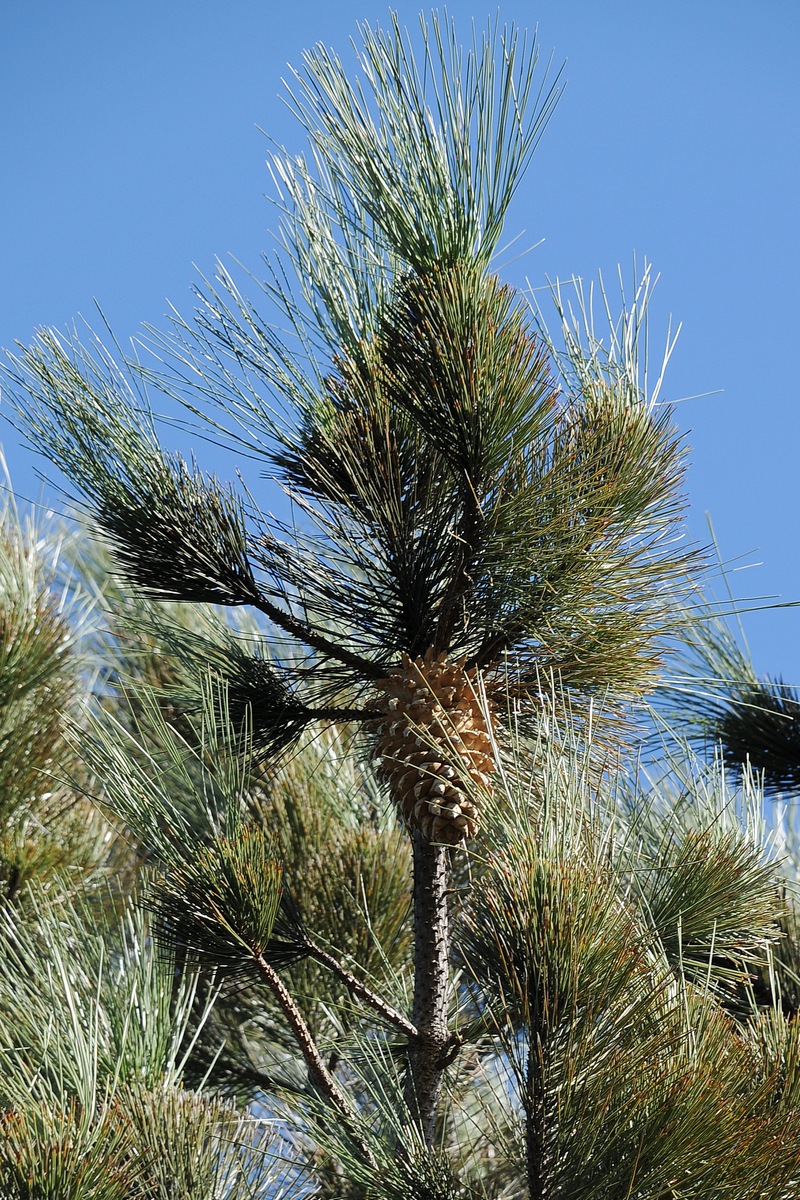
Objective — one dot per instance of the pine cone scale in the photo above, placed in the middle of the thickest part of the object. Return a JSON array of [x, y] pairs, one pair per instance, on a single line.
[[432, 743]]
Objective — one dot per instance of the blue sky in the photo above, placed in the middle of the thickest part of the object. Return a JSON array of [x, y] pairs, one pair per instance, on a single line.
[[130, 157]]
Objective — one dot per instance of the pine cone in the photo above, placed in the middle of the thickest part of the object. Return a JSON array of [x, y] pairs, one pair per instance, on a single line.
[[432, 738]]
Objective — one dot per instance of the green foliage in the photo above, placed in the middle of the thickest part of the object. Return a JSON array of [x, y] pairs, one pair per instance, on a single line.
[[196, 1146], [324, 807], [597, 997], [700, 896], [166, 521], [94, 1037], [430, 153], [605, 941], [593, 969], [722, 703], [37, 672], [46, 829], [223, 900], [84, 1008], [50, 1152]]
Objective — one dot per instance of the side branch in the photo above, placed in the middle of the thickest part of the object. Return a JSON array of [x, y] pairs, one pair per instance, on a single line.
[[316, 1067], [359, 989], [317, 641], [345, 714]]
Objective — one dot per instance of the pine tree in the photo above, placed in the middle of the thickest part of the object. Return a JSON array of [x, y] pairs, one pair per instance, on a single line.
[[460, 948]]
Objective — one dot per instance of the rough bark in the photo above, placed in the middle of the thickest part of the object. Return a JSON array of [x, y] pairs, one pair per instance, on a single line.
[[427, 1051], [357, 988], [319, 1073]]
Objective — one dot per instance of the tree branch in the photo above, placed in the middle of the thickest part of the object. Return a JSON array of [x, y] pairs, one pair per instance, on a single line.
[[316, 641], [359, 989], [345, 714], [319, 1073]]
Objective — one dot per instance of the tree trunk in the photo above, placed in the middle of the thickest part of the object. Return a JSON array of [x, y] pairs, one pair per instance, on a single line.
[[431, 982]]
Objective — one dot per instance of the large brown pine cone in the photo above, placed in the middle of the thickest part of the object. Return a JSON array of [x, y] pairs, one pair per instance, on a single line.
[[432, 739]]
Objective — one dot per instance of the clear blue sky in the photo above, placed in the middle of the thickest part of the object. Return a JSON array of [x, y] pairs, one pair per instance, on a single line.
[[130, 152]]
